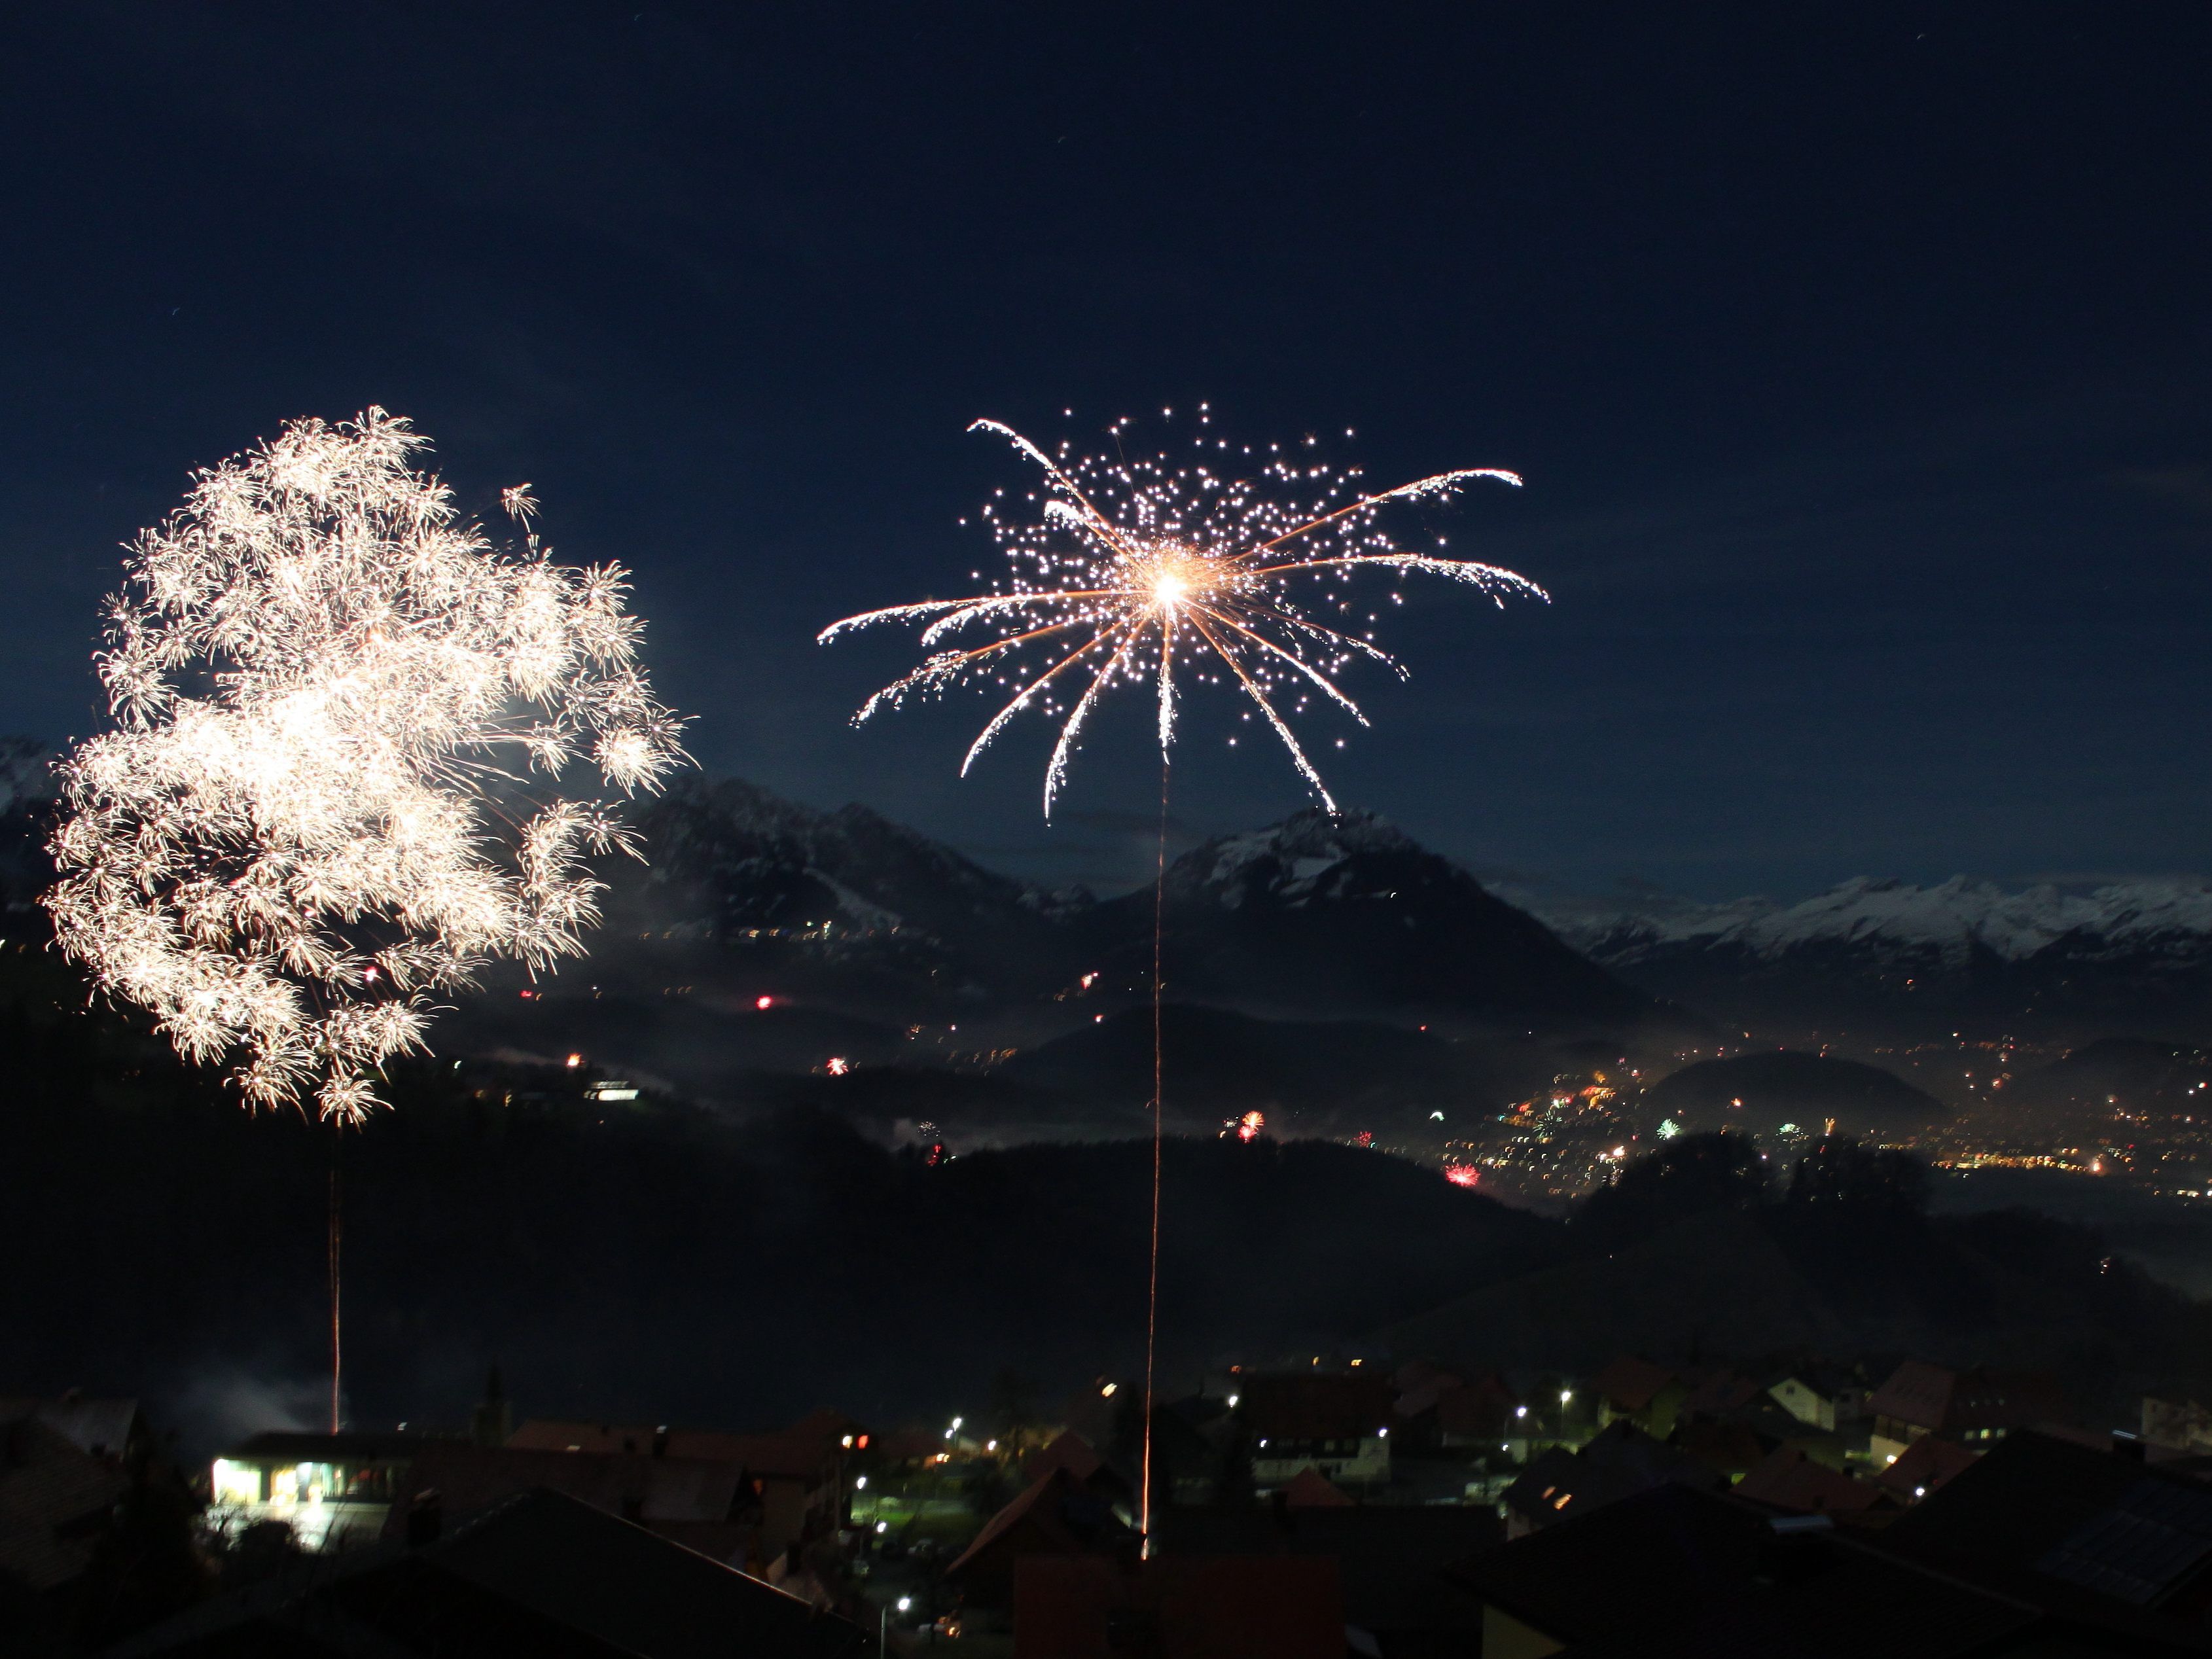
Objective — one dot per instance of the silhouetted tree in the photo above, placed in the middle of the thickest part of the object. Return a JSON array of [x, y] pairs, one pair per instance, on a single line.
[[1843, 1171], [1013, 1407], [145, 1566], [1686, 1177]]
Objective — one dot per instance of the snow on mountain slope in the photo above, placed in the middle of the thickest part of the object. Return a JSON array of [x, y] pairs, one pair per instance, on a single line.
[[1947, 922], [1345, 915]]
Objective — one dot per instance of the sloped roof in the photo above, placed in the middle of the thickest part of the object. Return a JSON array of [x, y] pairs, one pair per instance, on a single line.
[[2156, 1537], [1925, 1466], [1788, 1480], [799, 1452], [1220, 1606], [1617, 1462], [470, 1478], [1333, 1407], [1857, 1605], [1719, 1392], [54, 1499], [2098, 1521], [1070, 1451], [1661, 1557], [541, 1573], [1059, 1516], [1390, 1557], [1947, 1401], [1309, 1489], [1632, 1383], [102, 1427]]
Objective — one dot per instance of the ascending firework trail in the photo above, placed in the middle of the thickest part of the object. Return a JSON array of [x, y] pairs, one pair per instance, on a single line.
[[1220, 569]]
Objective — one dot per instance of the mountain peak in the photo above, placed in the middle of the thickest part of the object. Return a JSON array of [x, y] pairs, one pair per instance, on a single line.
[[1289, 854]]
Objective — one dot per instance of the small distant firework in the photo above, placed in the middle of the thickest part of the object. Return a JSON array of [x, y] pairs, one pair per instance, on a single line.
[[1132, 571], [311, 818], [1246, 1129], [1464, 1174]]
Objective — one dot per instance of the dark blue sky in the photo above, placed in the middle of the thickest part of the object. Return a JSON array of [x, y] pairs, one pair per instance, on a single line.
[[1855, 354]]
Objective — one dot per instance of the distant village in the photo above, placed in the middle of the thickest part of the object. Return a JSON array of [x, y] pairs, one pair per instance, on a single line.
[[1313, 1507]]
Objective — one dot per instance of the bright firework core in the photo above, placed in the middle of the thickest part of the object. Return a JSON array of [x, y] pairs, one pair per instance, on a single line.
[[1220, 570]]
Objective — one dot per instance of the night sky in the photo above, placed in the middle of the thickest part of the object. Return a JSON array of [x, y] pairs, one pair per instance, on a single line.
[[1857, 356]]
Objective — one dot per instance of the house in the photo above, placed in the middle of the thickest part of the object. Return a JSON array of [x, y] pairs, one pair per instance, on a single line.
[[1673, 1573], [1390, 1560], [1640, 1392], [798, 1472], [1336, 1424], [1718, 1393], [1437, 1407], [1827, 1397], [1926, 1465], [705, 1505], [334, 1490], [113, 1429], [1311, 1490], [56, 1497], [2070, 1525], [1618, 1461], [1072, 1452], [2176, 1421], [1052, 1516], [1095, 1606], [1733, 1441], [1788, 1480], [539, 1574], [1663, 1555], [1971, 1407]]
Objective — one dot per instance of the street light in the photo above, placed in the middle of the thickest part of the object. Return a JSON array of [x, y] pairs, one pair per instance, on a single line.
[[884, 1626]]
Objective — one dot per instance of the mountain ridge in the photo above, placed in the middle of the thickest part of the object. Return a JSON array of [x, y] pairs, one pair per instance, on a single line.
[[2062, 956]]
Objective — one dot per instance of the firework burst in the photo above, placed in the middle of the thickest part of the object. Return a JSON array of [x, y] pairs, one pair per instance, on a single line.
[[340, 710], [1231, 568]]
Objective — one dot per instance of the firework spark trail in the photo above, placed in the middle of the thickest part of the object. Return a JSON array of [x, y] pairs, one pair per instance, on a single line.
[[340, 711], [1136, 571], [1185, 568]]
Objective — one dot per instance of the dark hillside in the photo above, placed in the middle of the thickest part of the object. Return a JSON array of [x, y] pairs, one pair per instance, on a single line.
[[657, 1260], [1758, 1093]]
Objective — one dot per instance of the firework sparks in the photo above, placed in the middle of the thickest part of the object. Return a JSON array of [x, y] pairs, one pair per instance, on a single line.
[[319, 809], [1140, 572]]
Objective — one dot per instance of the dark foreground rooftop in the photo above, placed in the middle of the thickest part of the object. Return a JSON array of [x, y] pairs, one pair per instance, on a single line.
[[541, 1574]]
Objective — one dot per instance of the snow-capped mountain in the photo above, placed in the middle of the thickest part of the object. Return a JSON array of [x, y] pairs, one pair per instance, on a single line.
[[1337, 916], [2139, 951], [1345, 915], [735, 866]]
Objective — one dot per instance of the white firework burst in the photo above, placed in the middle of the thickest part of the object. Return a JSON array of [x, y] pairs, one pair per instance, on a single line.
[[1219, 569], [340, 714]]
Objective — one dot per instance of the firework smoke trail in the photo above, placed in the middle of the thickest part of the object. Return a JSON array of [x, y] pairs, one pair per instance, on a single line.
[[1232, 569], [340, 711]]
